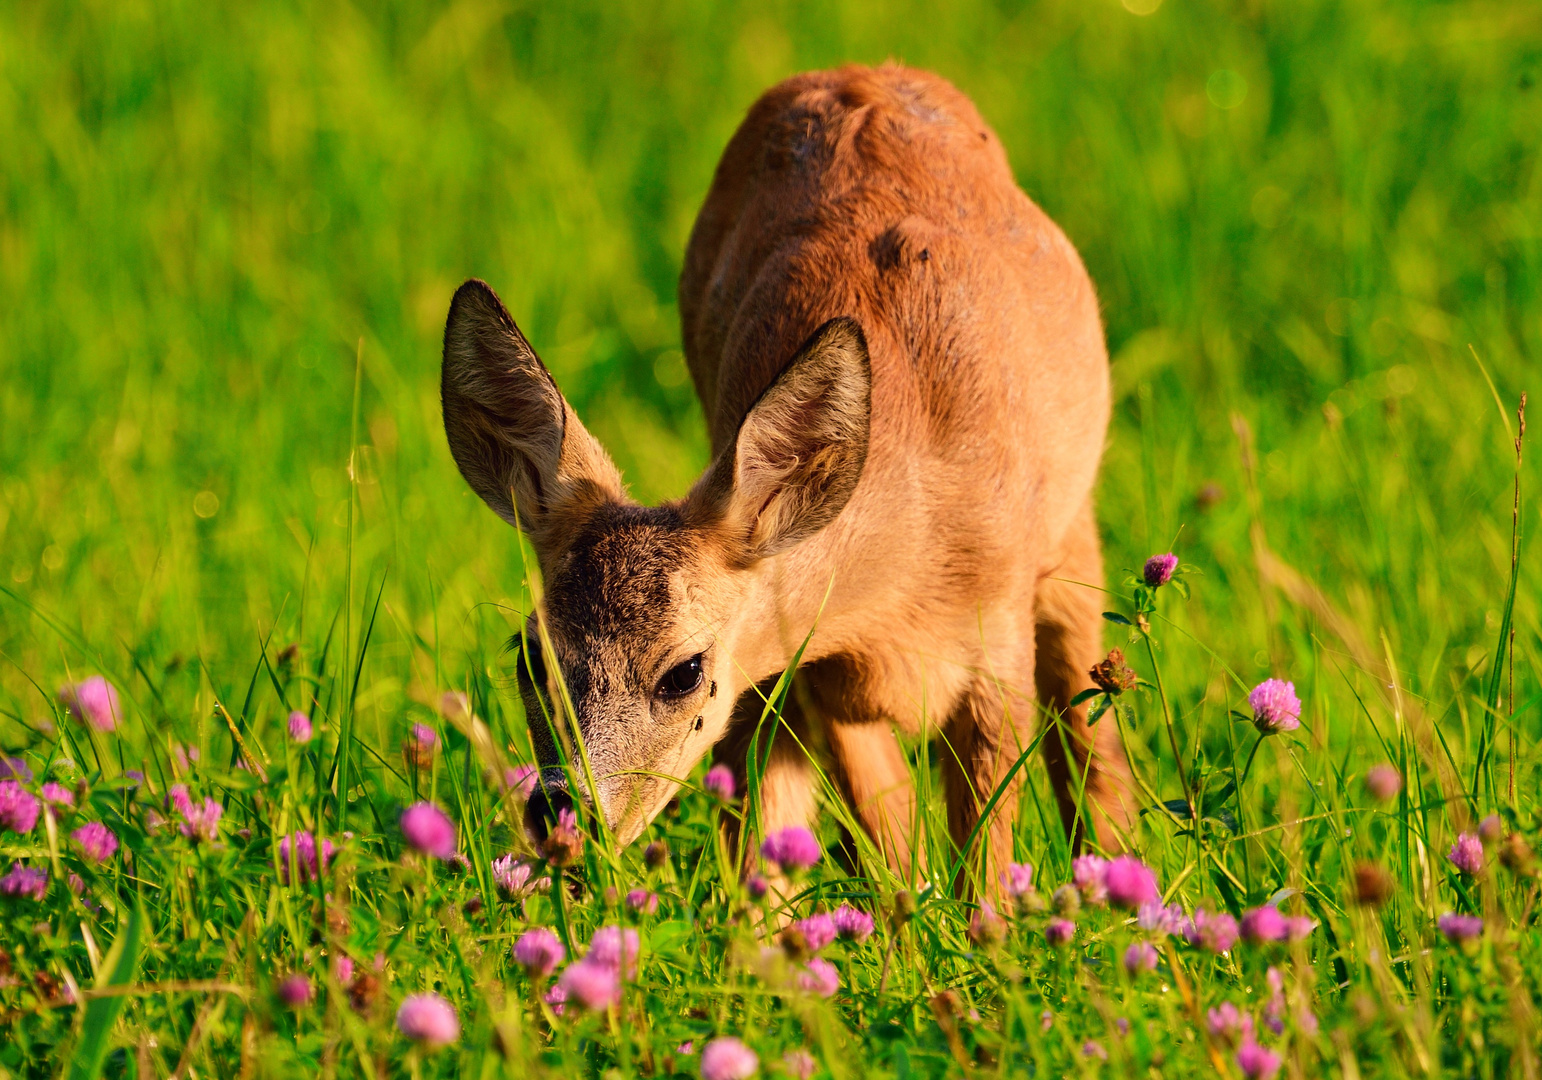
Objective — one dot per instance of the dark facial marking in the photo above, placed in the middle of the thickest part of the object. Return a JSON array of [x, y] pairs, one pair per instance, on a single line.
[[698, 723], [713, 691], [618, 567], [613, 582]]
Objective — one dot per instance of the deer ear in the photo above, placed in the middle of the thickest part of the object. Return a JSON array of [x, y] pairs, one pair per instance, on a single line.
[[800, 449], [516, 439]]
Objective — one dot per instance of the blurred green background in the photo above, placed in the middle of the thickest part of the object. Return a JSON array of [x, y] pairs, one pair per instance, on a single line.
[[1315, 217]]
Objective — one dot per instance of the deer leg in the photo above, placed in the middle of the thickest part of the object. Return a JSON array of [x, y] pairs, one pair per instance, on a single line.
[[786, 780], [1069, 633], [870, 764], [875, 775], [989, 729]]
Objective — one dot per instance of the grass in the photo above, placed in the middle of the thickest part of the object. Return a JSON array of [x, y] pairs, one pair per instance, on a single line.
[[227, 243]]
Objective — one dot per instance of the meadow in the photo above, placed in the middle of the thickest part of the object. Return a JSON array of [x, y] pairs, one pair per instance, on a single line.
[[228, 240]]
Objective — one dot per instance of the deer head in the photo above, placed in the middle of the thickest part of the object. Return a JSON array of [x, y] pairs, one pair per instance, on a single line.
[[654, 618]]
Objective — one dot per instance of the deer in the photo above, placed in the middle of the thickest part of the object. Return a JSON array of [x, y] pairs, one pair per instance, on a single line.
[[902, 368]]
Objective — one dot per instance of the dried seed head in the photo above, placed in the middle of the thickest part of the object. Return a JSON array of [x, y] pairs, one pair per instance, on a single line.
[[1516, 855], [1112, 675], [947, 1004], [986, 928], [363, 992], [564, 844], [418, 755], [337, 919], [1373, 885], [47, 985], [794, 944]]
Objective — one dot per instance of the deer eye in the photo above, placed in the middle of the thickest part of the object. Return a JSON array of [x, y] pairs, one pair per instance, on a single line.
[[530, 662], [681, 679]]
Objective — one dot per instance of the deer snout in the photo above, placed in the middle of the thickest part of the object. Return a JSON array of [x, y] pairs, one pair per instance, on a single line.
[[541, 811]]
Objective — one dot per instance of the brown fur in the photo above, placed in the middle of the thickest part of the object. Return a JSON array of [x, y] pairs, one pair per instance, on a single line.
[[914, 484]]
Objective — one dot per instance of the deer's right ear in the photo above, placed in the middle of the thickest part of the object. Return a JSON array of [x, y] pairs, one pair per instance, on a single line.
[[516, 439], [800, 449]]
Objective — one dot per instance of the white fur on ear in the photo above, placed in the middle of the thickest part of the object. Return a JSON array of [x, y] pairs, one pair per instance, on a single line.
[[800, 450]]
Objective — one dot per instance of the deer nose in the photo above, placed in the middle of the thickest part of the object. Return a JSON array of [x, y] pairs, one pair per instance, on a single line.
[[542, 809]]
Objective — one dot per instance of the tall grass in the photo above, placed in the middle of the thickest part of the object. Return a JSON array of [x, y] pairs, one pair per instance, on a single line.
[[227, 244]]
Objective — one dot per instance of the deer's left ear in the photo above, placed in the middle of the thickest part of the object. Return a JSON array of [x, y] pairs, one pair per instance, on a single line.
[[515, 437], [800, 449]]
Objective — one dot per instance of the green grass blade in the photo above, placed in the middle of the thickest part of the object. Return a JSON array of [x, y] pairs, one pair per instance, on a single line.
[[119, 968]]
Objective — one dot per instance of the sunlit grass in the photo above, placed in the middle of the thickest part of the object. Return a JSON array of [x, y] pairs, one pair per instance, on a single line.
[[1312, 227]]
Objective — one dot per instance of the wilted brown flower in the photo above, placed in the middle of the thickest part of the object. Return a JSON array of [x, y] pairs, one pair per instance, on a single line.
[[418, 755], [1373, 885], [947, 1003], [337, 919], [656, 854], [363, 991], [794, 944], [1112, 675], [1516, 855], [564, 844], [47, 986], [986, 928]]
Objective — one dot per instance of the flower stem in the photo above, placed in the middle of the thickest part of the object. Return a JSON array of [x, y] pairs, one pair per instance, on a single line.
[[1249, 766], [559, 909], [1172, 735]]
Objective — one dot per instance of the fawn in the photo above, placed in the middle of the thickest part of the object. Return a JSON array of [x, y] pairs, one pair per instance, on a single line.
[[903, 372]]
